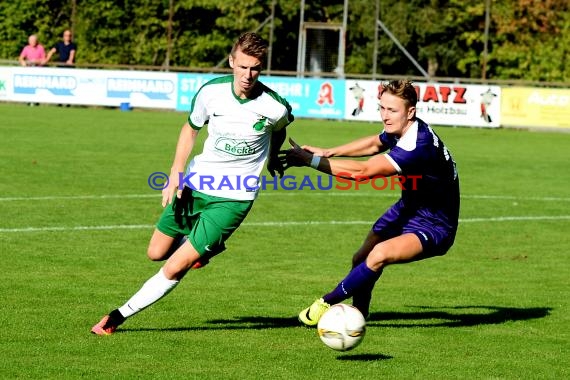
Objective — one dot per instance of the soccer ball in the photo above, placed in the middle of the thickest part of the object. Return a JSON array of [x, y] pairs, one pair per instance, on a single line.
[[342, 327]]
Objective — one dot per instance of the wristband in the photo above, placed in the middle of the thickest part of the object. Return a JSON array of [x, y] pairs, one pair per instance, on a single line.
[[315, 161]]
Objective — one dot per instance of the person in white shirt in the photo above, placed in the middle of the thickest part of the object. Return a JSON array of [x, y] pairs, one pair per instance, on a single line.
[[202, 207]]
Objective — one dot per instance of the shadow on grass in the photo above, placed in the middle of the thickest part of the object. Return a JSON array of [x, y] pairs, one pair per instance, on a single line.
[[364, 357], [455, 316], [238, 323], [424, 316]]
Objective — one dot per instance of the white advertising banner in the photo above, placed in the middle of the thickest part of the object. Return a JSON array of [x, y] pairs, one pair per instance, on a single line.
[[438, 103], [146, 89]]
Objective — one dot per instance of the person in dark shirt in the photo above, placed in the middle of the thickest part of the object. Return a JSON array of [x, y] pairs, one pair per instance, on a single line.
[[421, 224], [66, 50]]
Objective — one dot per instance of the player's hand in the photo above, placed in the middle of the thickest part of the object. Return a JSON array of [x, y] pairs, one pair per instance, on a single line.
[[275, 164], [296, 156], [172, 188]]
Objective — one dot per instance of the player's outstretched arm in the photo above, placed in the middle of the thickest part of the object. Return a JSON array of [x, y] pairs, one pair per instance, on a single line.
[[378, 165], [184, 147], [363, 147]]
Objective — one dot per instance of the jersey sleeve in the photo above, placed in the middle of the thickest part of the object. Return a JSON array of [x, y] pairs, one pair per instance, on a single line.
[[198, 115], [407, 153], [408, 161], [386, 140], [286, 119]]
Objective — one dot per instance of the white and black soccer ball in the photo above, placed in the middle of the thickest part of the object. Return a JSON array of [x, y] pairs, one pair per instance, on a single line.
[[342, 327]]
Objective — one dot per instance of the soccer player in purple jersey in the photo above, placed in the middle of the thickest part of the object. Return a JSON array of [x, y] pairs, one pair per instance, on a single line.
[[421, 224]]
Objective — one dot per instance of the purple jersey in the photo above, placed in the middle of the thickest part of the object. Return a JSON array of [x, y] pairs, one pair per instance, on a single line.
[[421, 153]]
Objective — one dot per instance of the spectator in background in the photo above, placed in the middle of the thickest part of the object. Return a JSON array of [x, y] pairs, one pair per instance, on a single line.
[[65, 49], [33, 54]]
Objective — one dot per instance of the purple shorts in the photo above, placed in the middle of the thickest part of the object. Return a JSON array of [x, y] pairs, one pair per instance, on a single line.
[[435, 234]]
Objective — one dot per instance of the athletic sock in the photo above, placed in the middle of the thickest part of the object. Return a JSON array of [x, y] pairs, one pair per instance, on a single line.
[[153, 289], [357, 278], [115, 319], [362, 297]]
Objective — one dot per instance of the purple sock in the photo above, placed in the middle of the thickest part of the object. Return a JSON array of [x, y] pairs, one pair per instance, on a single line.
[[362, 297], [357, 278]]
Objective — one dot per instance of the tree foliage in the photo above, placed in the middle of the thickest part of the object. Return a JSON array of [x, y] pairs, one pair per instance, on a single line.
[[528, 39], [532, 39]]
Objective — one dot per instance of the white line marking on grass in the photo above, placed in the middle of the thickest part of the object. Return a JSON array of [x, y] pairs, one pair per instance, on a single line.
[[514, 218], [356, 222], [73, 197], [80, 228], [278, 224], [288, 193], [514, 198], [380, 193]]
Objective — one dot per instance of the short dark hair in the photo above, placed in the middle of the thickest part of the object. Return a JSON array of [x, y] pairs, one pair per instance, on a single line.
[[251, 44], [401, 88]]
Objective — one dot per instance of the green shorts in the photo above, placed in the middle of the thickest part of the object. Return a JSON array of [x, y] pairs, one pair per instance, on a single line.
[[207, 221]]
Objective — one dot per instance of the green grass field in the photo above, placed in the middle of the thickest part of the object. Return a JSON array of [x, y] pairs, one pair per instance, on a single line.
[[77, 214]]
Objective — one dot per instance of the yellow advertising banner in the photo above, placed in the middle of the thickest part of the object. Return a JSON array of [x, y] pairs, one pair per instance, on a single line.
[[535, 107]]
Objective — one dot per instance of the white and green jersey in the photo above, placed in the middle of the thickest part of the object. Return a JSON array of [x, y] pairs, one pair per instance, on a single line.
[[239, 136]]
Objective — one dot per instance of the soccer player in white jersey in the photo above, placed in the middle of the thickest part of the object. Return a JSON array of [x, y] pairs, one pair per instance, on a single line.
[[246, 126], [421, 224]]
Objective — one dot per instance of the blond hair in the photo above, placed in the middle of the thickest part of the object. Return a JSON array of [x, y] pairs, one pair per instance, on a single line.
[[403, 89], [251, 44]]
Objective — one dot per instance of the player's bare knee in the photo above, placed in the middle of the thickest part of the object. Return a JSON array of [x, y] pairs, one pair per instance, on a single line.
[[154, 254], [175, 270], [375, 265], [377, 260]]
